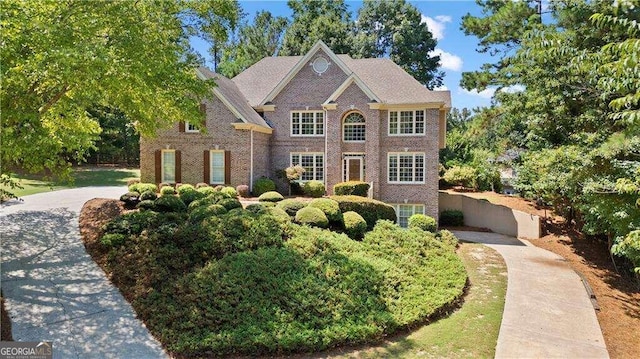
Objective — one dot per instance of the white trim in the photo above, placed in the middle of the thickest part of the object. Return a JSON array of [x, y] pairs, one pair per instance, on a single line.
[[211, 152], [305, 59], [345, 165], [398, 111], [400, 106], [396, 207], [315, 123], [315, 155], [251, 126], [414, 154], [343, 124], [162, 174], [345, 85], [187, 130]]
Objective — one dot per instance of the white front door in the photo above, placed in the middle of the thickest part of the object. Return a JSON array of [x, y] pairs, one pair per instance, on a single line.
[[353, 168]]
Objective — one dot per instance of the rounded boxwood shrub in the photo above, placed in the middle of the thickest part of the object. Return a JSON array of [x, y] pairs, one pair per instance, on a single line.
[[167, 191], [146, 205], [312, 216], [218, 188], [203, 212], [313, 189], [370, 209], [113, 239], [230, 203], [255, 207], [243, 191], [280, 215], [201, 185], [206, 190], [271, 196], [130, 199], [355, 188], [330, 208], [168, 203], [423, 222], [148, 195], [188, 193], [268, 204], [354, 225], [229, 191], [291, 206], [143, 187], [263, 185], [452, 218]]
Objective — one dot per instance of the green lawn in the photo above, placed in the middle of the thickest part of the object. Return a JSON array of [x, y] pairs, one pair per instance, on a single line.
[[470, 332], [83, 177]]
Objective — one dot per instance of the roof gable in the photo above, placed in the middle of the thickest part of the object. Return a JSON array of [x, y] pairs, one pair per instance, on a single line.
[[353, 78]]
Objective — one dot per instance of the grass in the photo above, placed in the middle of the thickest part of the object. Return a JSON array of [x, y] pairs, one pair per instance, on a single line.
[[470, 332], [83, 177]]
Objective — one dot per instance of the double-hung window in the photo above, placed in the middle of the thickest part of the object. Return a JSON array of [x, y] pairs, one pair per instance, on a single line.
[[406, 122], [168, 166], [313, 164], [405, 211], [217, 172], [307, 123], [405, 167]]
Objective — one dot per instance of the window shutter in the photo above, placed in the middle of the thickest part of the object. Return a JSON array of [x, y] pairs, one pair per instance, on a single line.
[[181, 126], [227, 167], [158, 166], [178, 167], [207, 167]]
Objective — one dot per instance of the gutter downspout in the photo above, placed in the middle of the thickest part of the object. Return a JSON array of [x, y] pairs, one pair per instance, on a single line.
[[251, 163]]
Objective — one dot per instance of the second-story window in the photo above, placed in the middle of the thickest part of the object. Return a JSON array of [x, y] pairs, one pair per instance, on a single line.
[[406, 123], [190, 127], [353, 128], [307, 123]]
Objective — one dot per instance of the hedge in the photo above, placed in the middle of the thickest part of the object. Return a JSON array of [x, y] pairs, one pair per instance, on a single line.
[[263, 185], [370, 209], [354, 225], [330, 208], [314, 189], [355, 188], [452, 217], [423, 222], [312, 216]]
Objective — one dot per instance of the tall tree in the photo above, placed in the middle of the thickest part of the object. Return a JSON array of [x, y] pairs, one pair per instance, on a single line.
[[255, 41], [315, 20], [395, 29], [60, 58]]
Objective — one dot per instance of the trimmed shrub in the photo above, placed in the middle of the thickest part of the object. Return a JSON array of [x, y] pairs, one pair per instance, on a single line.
[[268, 204], [229, 191], [163, 184], [230, 203], [263, 185], [354, 225], [423, 222], [204, 212], [355, 188], [314, 189], [113, 239], [188, 193], [184, 188], [330, 208], [255, 207], [130, 199], [133, 181], [370, 209], [167, 191], [447, 238], [312, 216], [271, 196], [206, 190], [464, 176], [291, 206], [201, 185], [280, 216], [218, 188], [168, 203], [148, 195], [146, 205], [243, 191], [132, 223], [143, 187], [452, 218]]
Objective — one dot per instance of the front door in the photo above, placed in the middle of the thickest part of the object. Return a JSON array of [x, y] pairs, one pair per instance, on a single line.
[[353, 168]]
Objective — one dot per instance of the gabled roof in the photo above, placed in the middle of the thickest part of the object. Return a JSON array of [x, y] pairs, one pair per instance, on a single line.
[[227, 91], [389, 83], [353, 78]]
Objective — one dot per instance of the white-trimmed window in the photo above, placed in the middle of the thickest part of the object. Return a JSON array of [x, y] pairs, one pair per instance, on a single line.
[[217, 173], [405, 167], [190, 127], [404, 211], [406, 122], [307, 123], [312, 162], [168, 166], [353, 128]]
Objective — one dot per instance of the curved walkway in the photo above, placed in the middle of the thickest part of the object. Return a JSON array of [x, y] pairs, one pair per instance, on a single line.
[[53, 289], [547, 313]]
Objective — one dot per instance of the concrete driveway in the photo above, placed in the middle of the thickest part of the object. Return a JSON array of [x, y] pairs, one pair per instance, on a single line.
[[55, 292], [547, 312]]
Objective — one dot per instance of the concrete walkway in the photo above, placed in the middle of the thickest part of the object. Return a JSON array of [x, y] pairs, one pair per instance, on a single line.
[[55, 292], [547, 313]]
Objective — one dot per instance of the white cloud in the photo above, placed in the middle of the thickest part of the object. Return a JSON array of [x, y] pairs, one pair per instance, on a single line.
[[448, 61], [437, 25], [441, 88], [512, 89], [486, 93]]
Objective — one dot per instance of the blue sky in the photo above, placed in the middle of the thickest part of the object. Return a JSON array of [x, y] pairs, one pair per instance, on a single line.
[[457, 51]]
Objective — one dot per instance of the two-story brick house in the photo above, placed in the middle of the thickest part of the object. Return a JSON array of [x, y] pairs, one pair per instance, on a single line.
[[338, 117]]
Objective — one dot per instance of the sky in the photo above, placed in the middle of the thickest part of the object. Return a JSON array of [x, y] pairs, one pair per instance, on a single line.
[[457, 52]]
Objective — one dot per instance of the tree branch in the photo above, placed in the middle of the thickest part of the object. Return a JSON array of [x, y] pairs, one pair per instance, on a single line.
[[53, 100]]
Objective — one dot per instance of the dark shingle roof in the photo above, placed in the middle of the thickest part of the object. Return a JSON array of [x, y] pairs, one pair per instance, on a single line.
[[258, 80]]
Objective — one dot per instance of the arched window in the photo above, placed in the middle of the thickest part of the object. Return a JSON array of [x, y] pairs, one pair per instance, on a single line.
[[353, 127]]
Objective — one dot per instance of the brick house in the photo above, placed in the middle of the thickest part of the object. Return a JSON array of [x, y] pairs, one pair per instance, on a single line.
[[338, 117]]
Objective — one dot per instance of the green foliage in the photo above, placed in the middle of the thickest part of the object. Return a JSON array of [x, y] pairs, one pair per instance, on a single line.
[[312, 216], [113, 239], [354, 225], [314, 189], [464, 176], [423, 222], [132, 223], [146, 205], [169, 203], [184, 188], [263, 185], [189, 194], [119, 141], [148, 195], [243, 190], [279, 215], [370, 209], [447, 238], [355, 188], [167, 191], [7, 187], [452, 218], [143, 187], [130, 199], [255, 207], [201, 213], [230, 203], [230, 191], [271, 196], [206, 190], [291, 206], [330, 208], [629, 247]]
